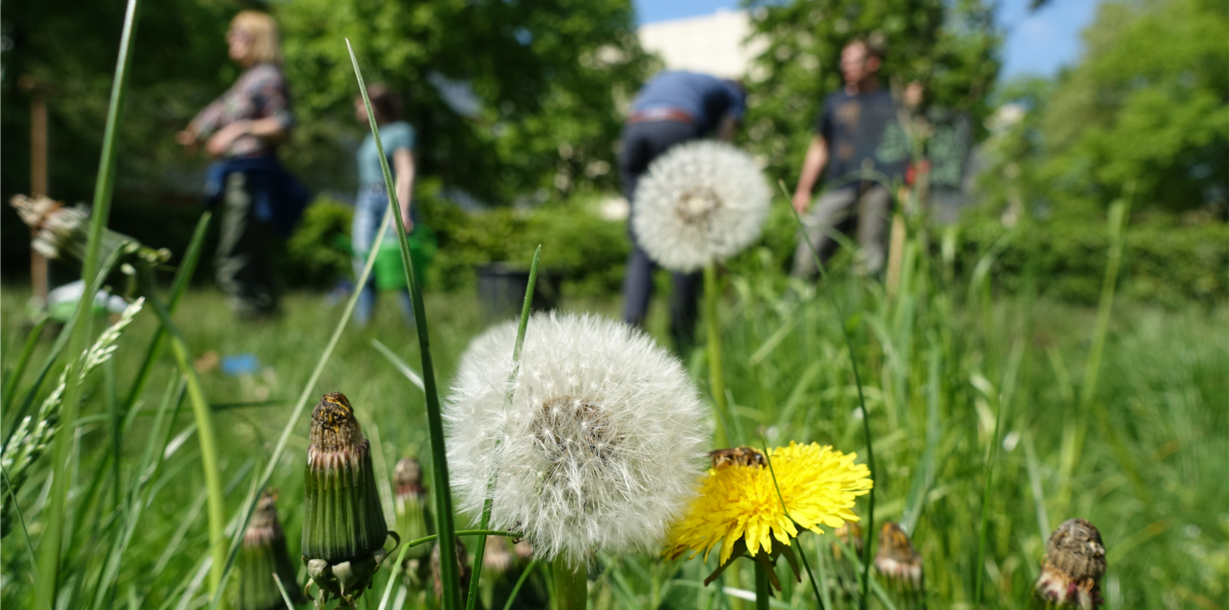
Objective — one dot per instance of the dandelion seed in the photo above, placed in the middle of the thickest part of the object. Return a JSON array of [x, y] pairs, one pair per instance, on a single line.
[[598, 449], [703, 201], [739, 509], [1074, 565]]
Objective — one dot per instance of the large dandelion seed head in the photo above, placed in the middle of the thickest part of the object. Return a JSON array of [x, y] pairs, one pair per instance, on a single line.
[[599, 448], [739, 502], [702, 201]]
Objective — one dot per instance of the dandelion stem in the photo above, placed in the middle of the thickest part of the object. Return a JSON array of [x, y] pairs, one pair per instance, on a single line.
[[762, 589], [571, 586], [716, 377]]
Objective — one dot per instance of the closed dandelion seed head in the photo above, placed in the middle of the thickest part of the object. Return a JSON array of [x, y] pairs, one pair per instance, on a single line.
[[262, 555], [598, 449], [897, 560], [1073, 567], [411, 506], [738, 506], [343, 522], [463, 570], [701, 202]]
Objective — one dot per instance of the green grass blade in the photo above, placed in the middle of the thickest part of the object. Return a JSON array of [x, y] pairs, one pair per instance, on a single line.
[[49, 548], [435, 422], [716, 376], [178, 287], [485, 520], [204, 434], [392, 579], [866, 416], [301, 405], [516, 589], [19, 368], [398, 363], [20, 519]]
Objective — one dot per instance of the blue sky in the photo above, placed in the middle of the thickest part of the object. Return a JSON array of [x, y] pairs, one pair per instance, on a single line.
[[1037, 43]]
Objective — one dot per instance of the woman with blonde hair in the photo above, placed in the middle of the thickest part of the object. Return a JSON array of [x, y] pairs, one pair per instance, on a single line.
[[243, 129]]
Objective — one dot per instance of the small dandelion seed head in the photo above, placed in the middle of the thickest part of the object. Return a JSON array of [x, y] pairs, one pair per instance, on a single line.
[[598, 449], [702, 201]]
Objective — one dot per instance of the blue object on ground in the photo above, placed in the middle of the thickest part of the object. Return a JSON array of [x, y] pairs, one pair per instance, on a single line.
[[240, 364]]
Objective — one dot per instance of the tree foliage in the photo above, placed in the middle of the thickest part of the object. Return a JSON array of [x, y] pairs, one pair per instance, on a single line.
[[1145, 112], [949, 45], [542, 72]]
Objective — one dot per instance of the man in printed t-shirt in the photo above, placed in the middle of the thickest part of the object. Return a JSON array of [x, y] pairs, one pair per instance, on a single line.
[[856, 131]]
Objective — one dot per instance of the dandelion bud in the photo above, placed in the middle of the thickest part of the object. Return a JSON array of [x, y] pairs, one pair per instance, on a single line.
[[897, 560], [1073, 567], [262, 555], [343, 523], [411, 506]]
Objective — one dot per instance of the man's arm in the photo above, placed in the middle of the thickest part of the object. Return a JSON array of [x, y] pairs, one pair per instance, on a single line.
[[269, 129], [403, 168], [812, 167]]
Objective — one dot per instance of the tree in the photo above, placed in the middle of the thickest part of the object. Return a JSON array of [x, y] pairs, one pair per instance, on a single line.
[[1145, 111], [542, 72]]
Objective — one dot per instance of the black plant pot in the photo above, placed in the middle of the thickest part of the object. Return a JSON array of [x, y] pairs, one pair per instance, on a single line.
[[501, 290]]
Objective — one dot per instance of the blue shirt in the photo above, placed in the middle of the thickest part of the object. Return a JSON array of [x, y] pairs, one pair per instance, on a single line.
[[396, 135], [706, 98]]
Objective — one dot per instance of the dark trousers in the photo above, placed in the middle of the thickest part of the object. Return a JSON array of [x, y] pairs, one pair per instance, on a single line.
[[243, 263], [642, 143]]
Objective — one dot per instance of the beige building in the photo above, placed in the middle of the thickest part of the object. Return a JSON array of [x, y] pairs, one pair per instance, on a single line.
[[713, 44]]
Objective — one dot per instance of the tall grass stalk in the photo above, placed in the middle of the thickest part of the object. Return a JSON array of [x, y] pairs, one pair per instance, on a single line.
[[857, 379], [716, 377], [300, 405], [485, 521], [204, 434], [50, 546], [435, 423]]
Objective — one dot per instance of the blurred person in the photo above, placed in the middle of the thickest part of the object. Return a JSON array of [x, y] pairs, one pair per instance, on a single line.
[[397, 136], [848, 139], [243, 128], [674, 107]]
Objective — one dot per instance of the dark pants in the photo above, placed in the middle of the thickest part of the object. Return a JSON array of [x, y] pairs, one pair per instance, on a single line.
[[642, 143], [243, 263]]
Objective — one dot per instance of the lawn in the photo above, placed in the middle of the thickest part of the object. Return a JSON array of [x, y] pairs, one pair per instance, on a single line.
[[1143, 457]]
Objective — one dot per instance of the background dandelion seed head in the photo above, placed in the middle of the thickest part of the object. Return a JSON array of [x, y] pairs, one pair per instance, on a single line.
[[702, 201]]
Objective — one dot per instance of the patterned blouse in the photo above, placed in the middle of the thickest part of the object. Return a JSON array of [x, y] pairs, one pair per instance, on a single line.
[[260, 93]]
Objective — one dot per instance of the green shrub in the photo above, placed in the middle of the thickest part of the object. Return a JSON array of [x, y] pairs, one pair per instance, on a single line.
[[317, 254]]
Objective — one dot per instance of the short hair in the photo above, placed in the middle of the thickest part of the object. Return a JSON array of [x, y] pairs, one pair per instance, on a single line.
[[876, 44], [262, 29], [385, 103]]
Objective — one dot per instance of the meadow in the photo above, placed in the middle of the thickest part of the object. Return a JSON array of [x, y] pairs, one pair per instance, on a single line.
[[979, 407]]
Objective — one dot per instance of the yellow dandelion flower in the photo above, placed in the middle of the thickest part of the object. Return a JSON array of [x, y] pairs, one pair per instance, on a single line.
[[739, 502]]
